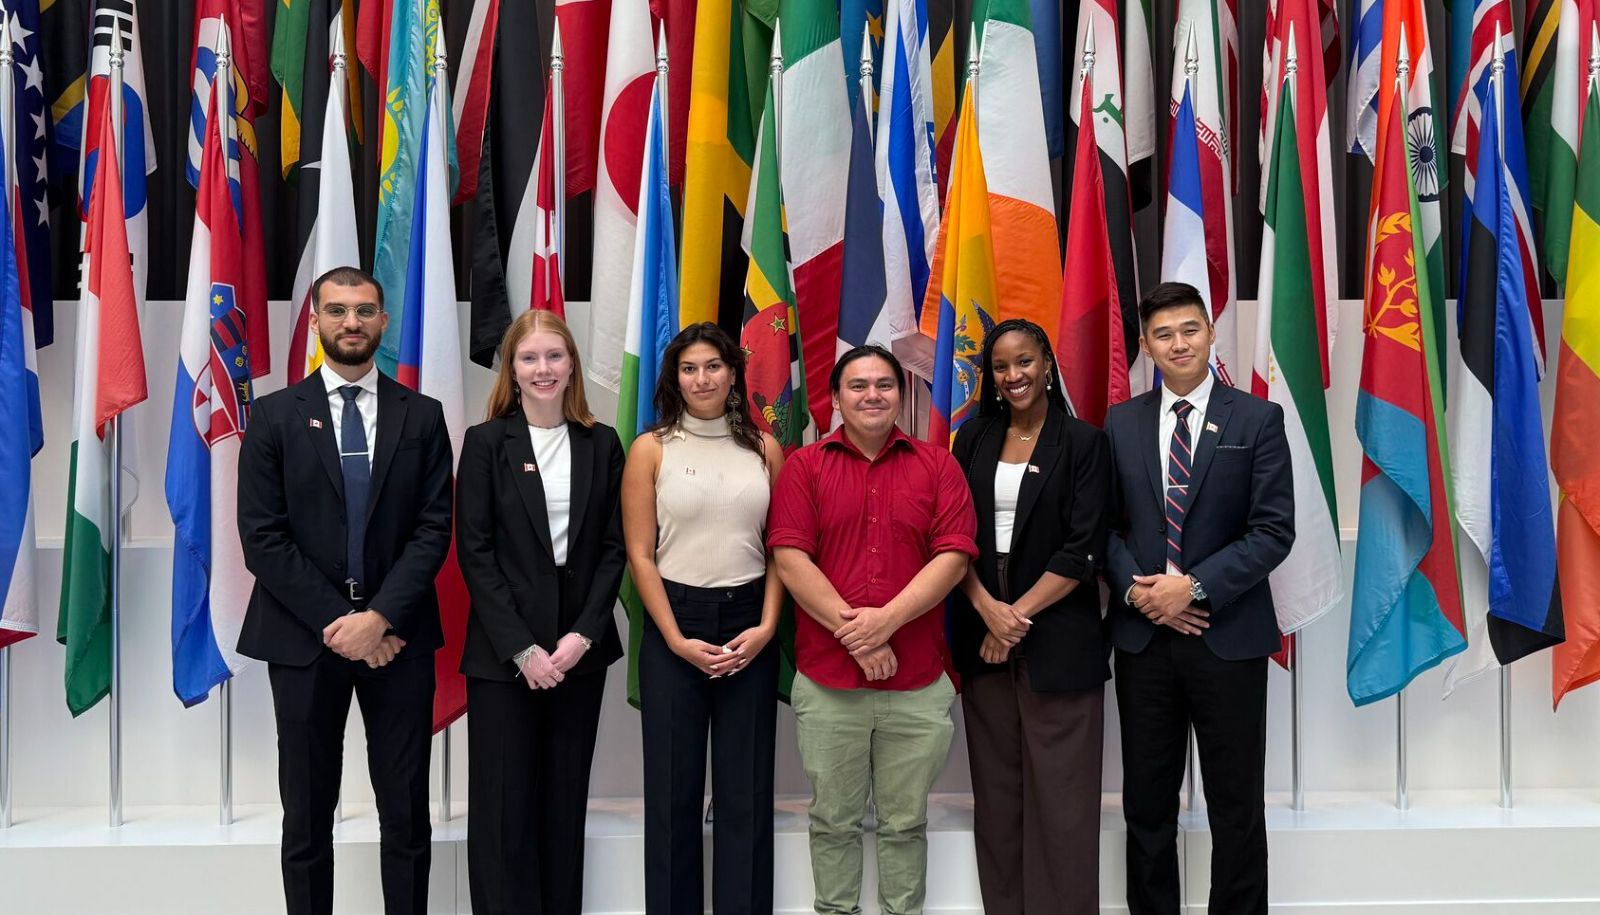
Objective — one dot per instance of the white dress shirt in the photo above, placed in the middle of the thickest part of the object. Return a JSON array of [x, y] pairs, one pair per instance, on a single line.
[[1199, 398], [552, 448], [366, 402]]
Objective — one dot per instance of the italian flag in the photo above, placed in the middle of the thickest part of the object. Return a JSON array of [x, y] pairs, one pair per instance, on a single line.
[[1290, 347], [110, 380]]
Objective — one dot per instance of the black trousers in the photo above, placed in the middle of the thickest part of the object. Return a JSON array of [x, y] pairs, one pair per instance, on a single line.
[[528, 758], [1174, 683], [311, 704], [678, 706]]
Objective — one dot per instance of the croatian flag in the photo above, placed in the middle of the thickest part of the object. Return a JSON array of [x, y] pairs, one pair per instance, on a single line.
[[210, 407]]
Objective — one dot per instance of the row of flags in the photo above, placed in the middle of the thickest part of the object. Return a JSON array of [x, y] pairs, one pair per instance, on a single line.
[[919, 227]]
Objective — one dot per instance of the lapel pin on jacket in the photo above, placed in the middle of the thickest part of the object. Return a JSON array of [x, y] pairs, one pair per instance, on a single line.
[[1033, 468], [529, 468], [314, 423], [1211, 427]]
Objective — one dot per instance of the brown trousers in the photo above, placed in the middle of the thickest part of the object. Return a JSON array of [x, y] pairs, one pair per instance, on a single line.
[[1035, 761]]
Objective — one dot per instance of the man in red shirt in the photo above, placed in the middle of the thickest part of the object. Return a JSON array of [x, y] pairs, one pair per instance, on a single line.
[[870, 530]]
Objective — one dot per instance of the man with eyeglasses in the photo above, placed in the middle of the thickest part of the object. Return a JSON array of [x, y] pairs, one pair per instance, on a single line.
[[344, 517]]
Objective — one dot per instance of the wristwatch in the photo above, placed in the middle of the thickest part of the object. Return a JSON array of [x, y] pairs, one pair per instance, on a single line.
[[1197, 591]]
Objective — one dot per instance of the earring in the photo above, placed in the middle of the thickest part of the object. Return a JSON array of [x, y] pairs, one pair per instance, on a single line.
[[734, 400], [1049, 384]]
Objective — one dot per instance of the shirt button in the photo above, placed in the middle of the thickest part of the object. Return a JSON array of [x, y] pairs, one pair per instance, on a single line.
[[873, 519], [872, 549], [874, 490]]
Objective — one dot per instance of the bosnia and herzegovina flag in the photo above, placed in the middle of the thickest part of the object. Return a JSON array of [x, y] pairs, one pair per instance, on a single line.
[[430, 356], [965, 291], [210, 408], [1574, 451], [1496, 428], [771, 339], [1405, 613]]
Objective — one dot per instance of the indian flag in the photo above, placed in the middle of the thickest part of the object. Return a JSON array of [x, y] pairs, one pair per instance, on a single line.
[[1288, 371], [111, 379]]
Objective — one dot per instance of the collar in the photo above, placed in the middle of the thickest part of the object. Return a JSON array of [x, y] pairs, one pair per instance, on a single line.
[[333, 381], [837, 439], [1199, 398]]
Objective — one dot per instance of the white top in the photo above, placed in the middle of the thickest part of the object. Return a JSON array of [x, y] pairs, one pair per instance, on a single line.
[[1199, 398], [366, 402], [552, 450], [711, 506], [1007, 489]]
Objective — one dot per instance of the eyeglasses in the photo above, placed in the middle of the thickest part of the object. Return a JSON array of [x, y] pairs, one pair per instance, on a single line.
[[340, 312]]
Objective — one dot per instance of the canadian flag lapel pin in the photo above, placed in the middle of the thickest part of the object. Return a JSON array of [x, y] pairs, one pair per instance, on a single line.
[[314, 423], [529, 468]]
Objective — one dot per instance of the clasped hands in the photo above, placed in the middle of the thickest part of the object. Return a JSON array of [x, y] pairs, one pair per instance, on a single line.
[[361, 636], [544, 670], [1007, 625], [865, 634], [723, 660], [1165, 601]]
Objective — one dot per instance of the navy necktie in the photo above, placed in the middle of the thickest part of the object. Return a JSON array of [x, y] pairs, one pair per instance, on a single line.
[[357, 481], [1180, 461]]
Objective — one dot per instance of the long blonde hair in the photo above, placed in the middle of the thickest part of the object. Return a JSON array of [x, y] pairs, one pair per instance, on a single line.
[[503, 398]]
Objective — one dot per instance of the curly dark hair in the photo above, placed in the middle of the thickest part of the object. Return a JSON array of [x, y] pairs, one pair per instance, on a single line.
[[989, 401], [669, 397]]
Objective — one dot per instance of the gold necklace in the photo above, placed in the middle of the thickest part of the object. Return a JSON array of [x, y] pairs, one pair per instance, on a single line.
[[1029, 437]]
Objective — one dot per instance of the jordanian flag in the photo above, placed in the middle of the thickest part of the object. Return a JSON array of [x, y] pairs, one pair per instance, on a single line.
[[771, 334], [1574, 450], [1291, 350], [1405, 613], [110, 379]]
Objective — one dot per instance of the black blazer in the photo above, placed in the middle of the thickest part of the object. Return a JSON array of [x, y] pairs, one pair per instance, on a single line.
[[503, 545], [1238, 527], [292, 520], [1060, 527]]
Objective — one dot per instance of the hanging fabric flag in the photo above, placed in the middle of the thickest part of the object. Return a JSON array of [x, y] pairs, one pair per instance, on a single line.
[[1502, 489], [302, 36], [862, 290], [1365, 75], [946, 80], [731, 45], [1109, 117], [816, 149], [244, 21], [678, 18], [30, 129], [1045, 19], [853, 16], [906, 184], [584, 25], [547, 187], [504, 224], [110, 379], [652, 322], [1200, 68], [413, 31], [430, 350], [374, 26], [630, 76], [78, 127], [469, 102], [19, 374], [1405, 614], [1492, 18], [1551, 87], [1574, 450], [64, 27], [210, 409], [325, 210], [966, 296], [1093, 334], [1136, 93], [1291, 338]]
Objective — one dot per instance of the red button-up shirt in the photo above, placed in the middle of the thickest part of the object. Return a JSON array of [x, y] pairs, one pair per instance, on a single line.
[[871, 526]]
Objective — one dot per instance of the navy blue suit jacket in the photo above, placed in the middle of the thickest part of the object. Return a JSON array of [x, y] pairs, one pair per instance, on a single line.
[[1238, 527]]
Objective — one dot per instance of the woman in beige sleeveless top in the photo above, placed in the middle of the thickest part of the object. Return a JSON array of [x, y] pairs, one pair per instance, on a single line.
[[694, 510]]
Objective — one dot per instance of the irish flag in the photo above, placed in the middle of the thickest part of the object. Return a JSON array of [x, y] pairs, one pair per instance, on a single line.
[[110, 380]]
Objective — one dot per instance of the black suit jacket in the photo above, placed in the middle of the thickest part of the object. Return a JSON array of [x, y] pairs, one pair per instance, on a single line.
[[1060, 527], [503, 545], [292, 520], [1238, 527]]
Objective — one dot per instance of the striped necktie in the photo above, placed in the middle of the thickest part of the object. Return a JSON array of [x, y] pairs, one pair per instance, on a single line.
[[1180, 460], [357, 482]]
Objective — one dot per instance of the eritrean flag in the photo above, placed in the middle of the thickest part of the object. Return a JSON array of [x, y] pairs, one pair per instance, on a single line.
[[1405, 613]]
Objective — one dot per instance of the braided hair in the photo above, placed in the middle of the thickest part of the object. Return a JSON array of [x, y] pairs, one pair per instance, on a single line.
[[990, 401]]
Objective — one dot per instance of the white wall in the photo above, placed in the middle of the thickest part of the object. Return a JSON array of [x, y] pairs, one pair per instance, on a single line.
[[170, 753]]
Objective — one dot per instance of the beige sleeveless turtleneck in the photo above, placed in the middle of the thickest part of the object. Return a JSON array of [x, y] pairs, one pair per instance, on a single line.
[[711, 506]]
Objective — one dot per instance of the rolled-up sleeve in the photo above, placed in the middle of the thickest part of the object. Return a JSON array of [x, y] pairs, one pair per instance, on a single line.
[[1083, 550], [955, 521], [792, 518]]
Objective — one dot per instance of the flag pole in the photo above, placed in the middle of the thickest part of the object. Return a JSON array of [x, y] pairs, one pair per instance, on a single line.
[[865, 71], [1297, 687], [558, 83], [775, 66], [7, 87], [1402, 794], [1497, 77], [114, 99], [441, 68], [661, 81], [223, 76]]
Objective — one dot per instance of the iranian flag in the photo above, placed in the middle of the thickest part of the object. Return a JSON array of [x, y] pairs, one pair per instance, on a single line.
[[110, 380], [1290, 353], [815, 146]]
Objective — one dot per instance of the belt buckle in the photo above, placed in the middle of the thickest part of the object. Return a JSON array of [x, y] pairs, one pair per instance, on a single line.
[[353, 591]]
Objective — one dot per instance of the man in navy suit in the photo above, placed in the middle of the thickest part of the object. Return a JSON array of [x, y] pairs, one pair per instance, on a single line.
[[1203, 511]]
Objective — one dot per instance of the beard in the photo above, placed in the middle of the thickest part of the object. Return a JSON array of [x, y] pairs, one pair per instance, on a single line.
[[333, 352]]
